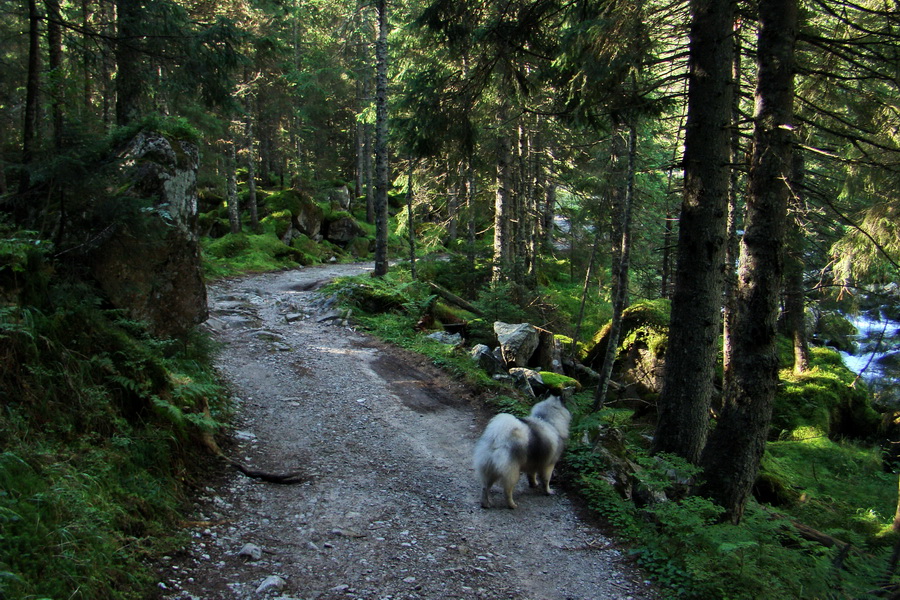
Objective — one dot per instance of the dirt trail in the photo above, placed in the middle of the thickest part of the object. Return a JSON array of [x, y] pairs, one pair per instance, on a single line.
[[390, 507]]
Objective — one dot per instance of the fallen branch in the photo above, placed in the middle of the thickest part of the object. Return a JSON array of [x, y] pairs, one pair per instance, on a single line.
[[454, 299], [209, 441]]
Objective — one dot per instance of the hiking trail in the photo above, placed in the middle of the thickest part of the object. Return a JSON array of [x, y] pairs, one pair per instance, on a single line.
[[389, 505]]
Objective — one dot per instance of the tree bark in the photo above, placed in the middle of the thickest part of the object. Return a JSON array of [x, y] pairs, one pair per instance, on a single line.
[[251, 169], [234, 210], [470, 225], [381, 142], [32, 87], [410, 222], [794, 290], [621, 261], [129, 76], [731, 229], [502, 201], [736, 445], [55, 53], [688, 384]]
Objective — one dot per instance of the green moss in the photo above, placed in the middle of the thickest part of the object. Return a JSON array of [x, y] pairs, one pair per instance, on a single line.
[[646, 321], [284, 200], [841, 487], [826, 400], [244, 253], [98, 428], [557, 383], [835, 330]]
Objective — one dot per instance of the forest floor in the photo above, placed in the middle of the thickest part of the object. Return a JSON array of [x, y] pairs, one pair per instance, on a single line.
[[388, 506]]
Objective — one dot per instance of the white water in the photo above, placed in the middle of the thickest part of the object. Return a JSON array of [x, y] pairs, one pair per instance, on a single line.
[[866, 359]]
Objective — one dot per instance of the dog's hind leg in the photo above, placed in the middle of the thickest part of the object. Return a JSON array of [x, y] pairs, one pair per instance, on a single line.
[[546, 474], [486, 496], [509, 481]]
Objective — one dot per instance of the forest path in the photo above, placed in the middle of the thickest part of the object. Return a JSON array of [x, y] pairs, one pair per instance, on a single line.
[[390, 507]]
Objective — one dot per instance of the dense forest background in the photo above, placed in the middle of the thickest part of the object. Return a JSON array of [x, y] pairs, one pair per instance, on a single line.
[[722, 171]]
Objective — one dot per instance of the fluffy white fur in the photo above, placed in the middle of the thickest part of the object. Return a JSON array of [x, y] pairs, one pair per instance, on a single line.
[[510, 446]]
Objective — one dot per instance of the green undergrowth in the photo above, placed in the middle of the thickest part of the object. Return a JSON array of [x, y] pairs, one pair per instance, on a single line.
[[820, 469], [391, 309], [236, 253], [691, 554], [99, 427]]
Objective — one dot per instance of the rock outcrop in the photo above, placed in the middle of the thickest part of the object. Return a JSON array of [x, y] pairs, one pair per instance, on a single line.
[[517, 342], [151, 267]]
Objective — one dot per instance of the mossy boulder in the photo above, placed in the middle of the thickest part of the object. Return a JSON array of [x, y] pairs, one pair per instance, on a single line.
[[642, 347], [360, 247], [825, 401], [305, 215], [376, 299], [835, 330], [341, 229], [557, 383], [150, 267]]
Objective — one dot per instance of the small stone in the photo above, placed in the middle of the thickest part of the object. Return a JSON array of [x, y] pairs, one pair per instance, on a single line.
[[271, 583], [251, 551]]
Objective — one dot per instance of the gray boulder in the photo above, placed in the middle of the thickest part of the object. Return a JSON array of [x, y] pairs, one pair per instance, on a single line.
[[340, 197], [528, 381], [488, 360], [342, 230], [517, 342], [451, 339], [151, 269]]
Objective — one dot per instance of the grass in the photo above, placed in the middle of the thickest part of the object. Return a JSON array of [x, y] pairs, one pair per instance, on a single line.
[[99, 426]]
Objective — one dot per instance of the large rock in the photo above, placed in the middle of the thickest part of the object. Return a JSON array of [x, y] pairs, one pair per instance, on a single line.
[[339, 197], [517, 342], [485, 358], [308, 218], [151, 266], [528, 381], [342, 230]]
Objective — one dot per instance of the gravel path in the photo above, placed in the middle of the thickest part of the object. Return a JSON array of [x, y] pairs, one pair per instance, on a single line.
[[390, 507]]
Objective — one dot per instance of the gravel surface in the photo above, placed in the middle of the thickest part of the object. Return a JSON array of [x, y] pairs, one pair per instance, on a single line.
[[389, 506]]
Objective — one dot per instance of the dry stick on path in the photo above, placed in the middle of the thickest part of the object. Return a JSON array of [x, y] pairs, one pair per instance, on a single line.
[[210, 442]]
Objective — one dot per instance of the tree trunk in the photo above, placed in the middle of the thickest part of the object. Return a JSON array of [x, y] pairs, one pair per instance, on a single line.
[[794, 292], [470, 225], [695, 324], [502, 201], [731, 228], [410, 222], [621, 262], [129, 76], [234, 210], [586, 287], [736, 445], [251, 171], [54, 45], [381, 142], [370, 175], [548, 213], [360, 164], [32, 87]]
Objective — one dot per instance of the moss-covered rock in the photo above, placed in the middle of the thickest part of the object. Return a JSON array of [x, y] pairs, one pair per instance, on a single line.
[[642, 347], [833, 329], [557, 383], [824, 401]]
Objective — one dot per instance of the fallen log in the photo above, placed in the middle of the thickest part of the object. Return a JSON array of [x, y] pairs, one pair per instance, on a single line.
[[454, 299]]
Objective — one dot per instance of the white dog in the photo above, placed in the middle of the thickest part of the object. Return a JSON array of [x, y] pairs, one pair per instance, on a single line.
[[510, 445]]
